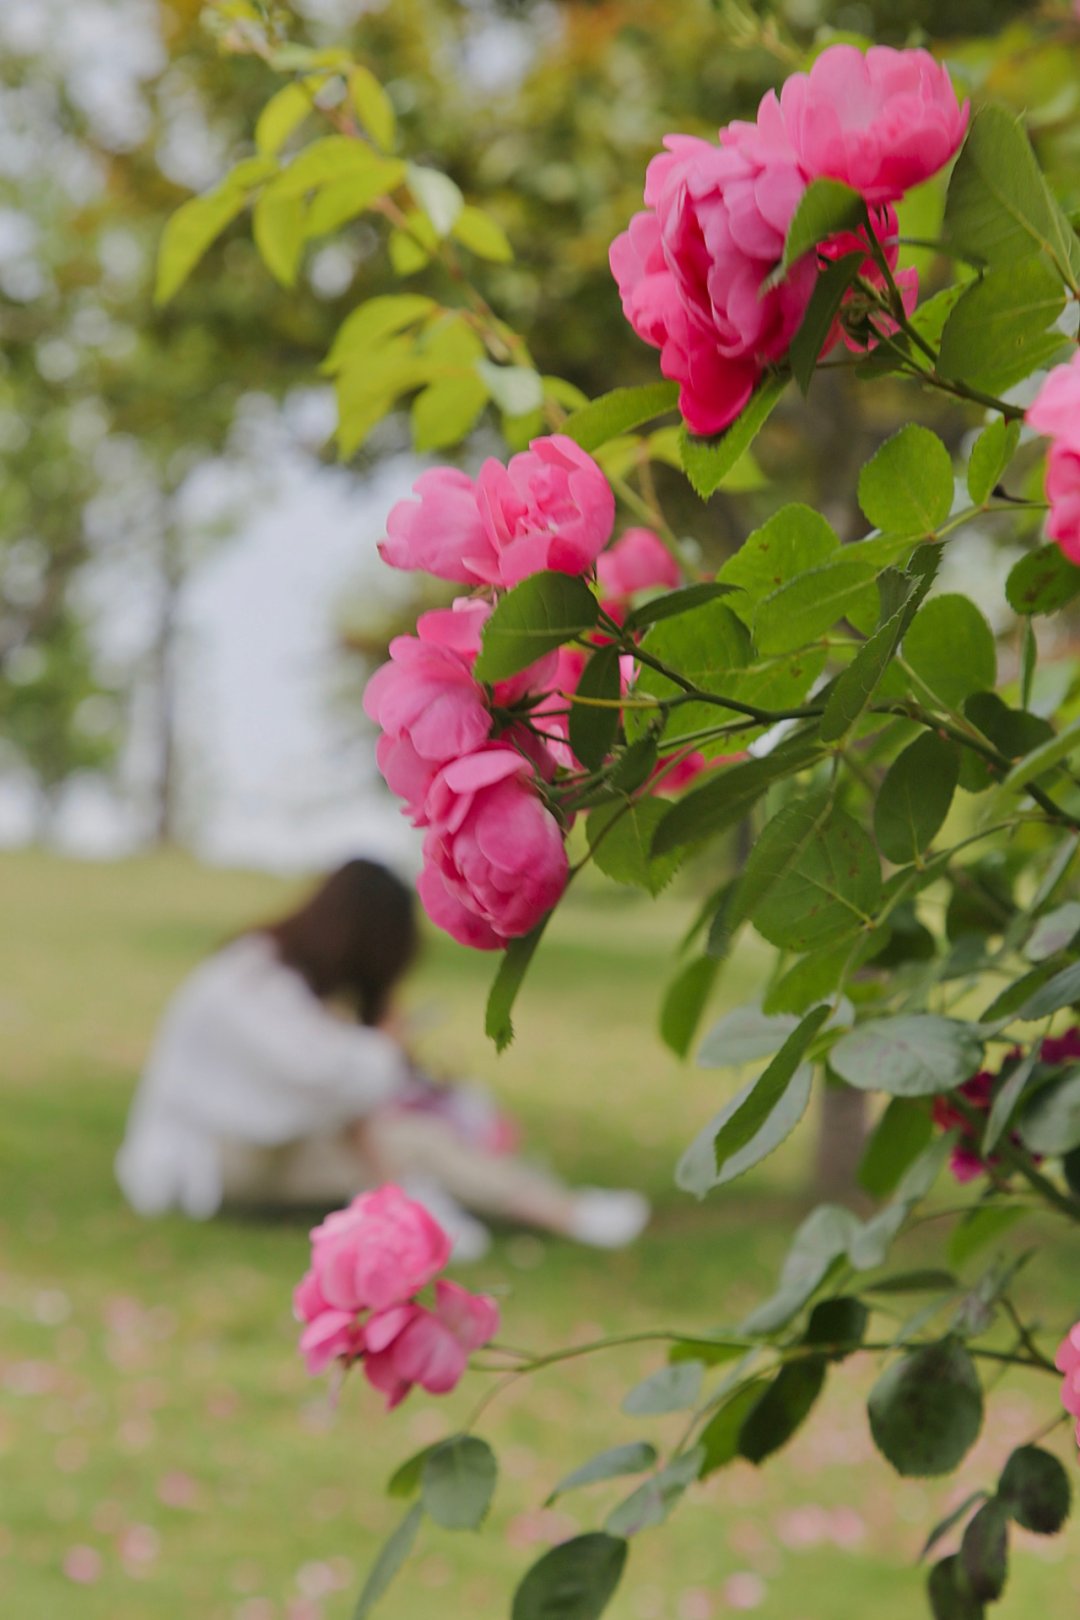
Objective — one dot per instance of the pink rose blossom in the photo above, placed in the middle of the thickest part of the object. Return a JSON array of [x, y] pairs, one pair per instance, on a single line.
[[358, 1301], [1067, 1361], [880, 122], [379, 1250], [1055, 411], [495, 861], [690, 270], [429, 705], [638, 561], [693, 270], [550, 508], [410, 1344]]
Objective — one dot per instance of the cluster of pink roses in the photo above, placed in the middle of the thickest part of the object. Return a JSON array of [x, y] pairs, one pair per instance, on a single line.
[[1055, 411], [966, 1161], [494, 857], [691, 269], [358, 1300]]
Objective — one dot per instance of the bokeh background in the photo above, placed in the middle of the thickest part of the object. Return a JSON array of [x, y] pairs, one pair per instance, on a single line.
[[190, 601]]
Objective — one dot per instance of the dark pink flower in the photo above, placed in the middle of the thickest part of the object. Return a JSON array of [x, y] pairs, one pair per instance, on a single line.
[[1055, 411], [550, 508], [376, 1252], [331, 1336], [882, 121], [1061, 1048], [410, 1344], [494, 858]]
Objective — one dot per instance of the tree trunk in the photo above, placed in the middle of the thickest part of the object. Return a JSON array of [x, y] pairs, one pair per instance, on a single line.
[[842, 1128]]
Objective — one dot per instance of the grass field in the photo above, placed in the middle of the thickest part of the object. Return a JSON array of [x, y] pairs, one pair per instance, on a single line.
[[162, 1453]]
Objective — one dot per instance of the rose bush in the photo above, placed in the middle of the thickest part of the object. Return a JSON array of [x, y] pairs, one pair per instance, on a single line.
[[902, 769]]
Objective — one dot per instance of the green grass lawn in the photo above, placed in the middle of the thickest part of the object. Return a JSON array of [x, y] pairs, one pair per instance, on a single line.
[[158, 1432]]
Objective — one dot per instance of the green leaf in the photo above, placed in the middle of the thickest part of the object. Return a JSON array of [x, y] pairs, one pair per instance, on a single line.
[[593, 730], [915, 797], [283, 114], [943, 1526], [856, 685], [674, 1388], [951, 648], [340, 158], [948, 1592], [990, 455], [826, 1235], [1014, 733], [749, 1120], [825, 208], [997, 334], [498, 1025], [1061, 990], [632, 1458], [1054, 932], [902, 1133], [437, 196], [189, 232], [1035, 1490], [515, 389], [812, 876], [373, 107], [793, 541], [1042, 581], [1042, 759], [984, 1552], [372, 323], [672, 603], [482, 235], [621, 837], [805, 607], [731, 794], [982, 1225], [744, 1035], [684, 1003], [913, 1055], [999, 205], [395, 1551], [829, 292], [907, 486], [720, 1436], [633, 767], [405, 1480], [573, 1581], [446, 411], [782, 1408], [537, 616], [1051, 1124], [926, 1409], [617, 412], [707, 462], [651, 1503], [696, 1171], [277, 225], [707, 645], [457, 1482], [838, 1325], [926, 1281], [1005, 1101]]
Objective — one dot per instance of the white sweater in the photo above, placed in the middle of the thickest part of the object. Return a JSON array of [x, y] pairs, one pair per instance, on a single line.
[[245, 1053]]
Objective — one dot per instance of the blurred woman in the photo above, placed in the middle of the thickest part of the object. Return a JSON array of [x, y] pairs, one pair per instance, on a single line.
[[278, 1077]]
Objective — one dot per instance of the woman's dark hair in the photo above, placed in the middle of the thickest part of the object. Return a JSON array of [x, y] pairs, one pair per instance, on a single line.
[[354, 937]]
